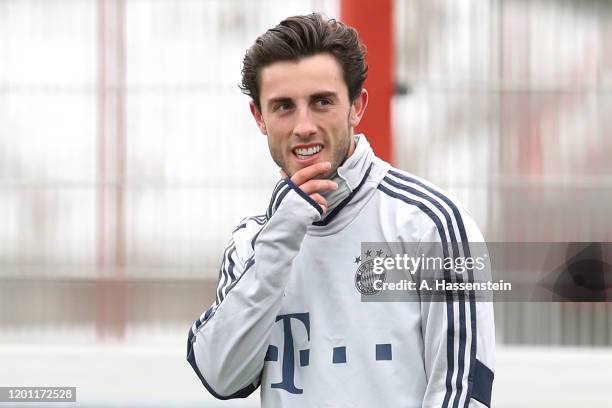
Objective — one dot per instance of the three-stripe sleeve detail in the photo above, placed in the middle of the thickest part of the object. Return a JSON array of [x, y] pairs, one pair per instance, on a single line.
[[258, 219], [466, 253], [280, 191], [438, 207], [227, 276]]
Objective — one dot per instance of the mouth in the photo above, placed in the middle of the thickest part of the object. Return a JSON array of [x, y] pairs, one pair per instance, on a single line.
[[307, 154]]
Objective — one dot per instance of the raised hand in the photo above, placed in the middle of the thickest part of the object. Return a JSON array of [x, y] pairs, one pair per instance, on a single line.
[[306, 181]]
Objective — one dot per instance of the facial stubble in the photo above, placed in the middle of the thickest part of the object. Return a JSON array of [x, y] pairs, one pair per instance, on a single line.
[[336, 161]]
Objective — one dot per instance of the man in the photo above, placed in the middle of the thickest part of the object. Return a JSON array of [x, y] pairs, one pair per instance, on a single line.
[[288, 317]]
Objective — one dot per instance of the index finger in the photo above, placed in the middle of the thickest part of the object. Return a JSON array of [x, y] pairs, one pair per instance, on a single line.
[[303, 175]]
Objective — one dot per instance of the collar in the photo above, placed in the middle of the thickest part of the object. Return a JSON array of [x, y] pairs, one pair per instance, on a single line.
[[350, 175]]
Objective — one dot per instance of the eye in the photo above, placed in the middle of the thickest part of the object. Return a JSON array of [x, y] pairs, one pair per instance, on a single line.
[[282, 106], [323, 102]]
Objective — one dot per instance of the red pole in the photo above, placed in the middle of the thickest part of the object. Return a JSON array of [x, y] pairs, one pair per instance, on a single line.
[[374, 22], [110, 216]]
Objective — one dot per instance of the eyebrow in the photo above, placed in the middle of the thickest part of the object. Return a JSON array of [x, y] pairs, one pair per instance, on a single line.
[[313, 97], [278, 100], [325, 94]]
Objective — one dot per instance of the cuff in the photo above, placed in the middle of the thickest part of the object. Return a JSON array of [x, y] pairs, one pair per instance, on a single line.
[[281, 190]]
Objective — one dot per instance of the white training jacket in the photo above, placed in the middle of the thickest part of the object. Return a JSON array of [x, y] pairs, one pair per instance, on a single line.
[[289, 319]]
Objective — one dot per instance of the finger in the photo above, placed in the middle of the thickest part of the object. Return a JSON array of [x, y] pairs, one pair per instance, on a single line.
[[303, 175], [318, 186], [319, 199]]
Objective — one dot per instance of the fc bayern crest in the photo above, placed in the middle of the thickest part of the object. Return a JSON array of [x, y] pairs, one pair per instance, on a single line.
[[365, 277]]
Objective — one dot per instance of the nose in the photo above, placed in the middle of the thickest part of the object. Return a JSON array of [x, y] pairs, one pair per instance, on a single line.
[[304, 124]]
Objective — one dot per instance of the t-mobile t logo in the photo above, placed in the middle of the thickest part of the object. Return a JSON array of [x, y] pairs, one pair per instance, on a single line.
[[288, 366]]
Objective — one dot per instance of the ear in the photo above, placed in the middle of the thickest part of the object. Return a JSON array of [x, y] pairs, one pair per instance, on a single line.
[[258, 118], [358, 107]]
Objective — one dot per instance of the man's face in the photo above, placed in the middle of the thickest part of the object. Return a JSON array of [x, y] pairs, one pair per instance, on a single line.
[[306, 113]]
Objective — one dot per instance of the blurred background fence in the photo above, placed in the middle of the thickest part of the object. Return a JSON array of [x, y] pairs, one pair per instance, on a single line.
[[128, 154]]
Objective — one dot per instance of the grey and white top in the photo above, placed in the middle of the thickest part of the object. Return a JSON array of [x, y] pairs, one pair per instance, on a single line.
[[289, 319]]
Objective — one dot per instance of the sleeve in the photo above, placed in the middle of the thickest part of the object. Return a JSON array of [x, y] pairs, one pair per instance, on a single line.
[[458, 326], [227, 345]]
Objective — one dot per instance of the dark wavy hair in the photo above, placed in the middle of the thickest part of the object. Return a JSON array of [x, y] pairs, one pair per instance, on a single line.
[[303, 36]]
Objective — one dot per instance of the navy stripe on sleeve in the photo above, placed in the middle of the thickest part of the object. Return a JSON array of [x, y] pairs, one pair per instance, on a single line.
[[450, 334], [243, 393], [223, 275], [461, 296], [466, 252], [277, 189], [258, 219]]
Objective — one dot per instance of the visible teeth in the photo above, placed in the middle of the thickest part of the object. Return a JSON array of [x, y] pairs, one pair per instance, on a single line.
[[308, 152]]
